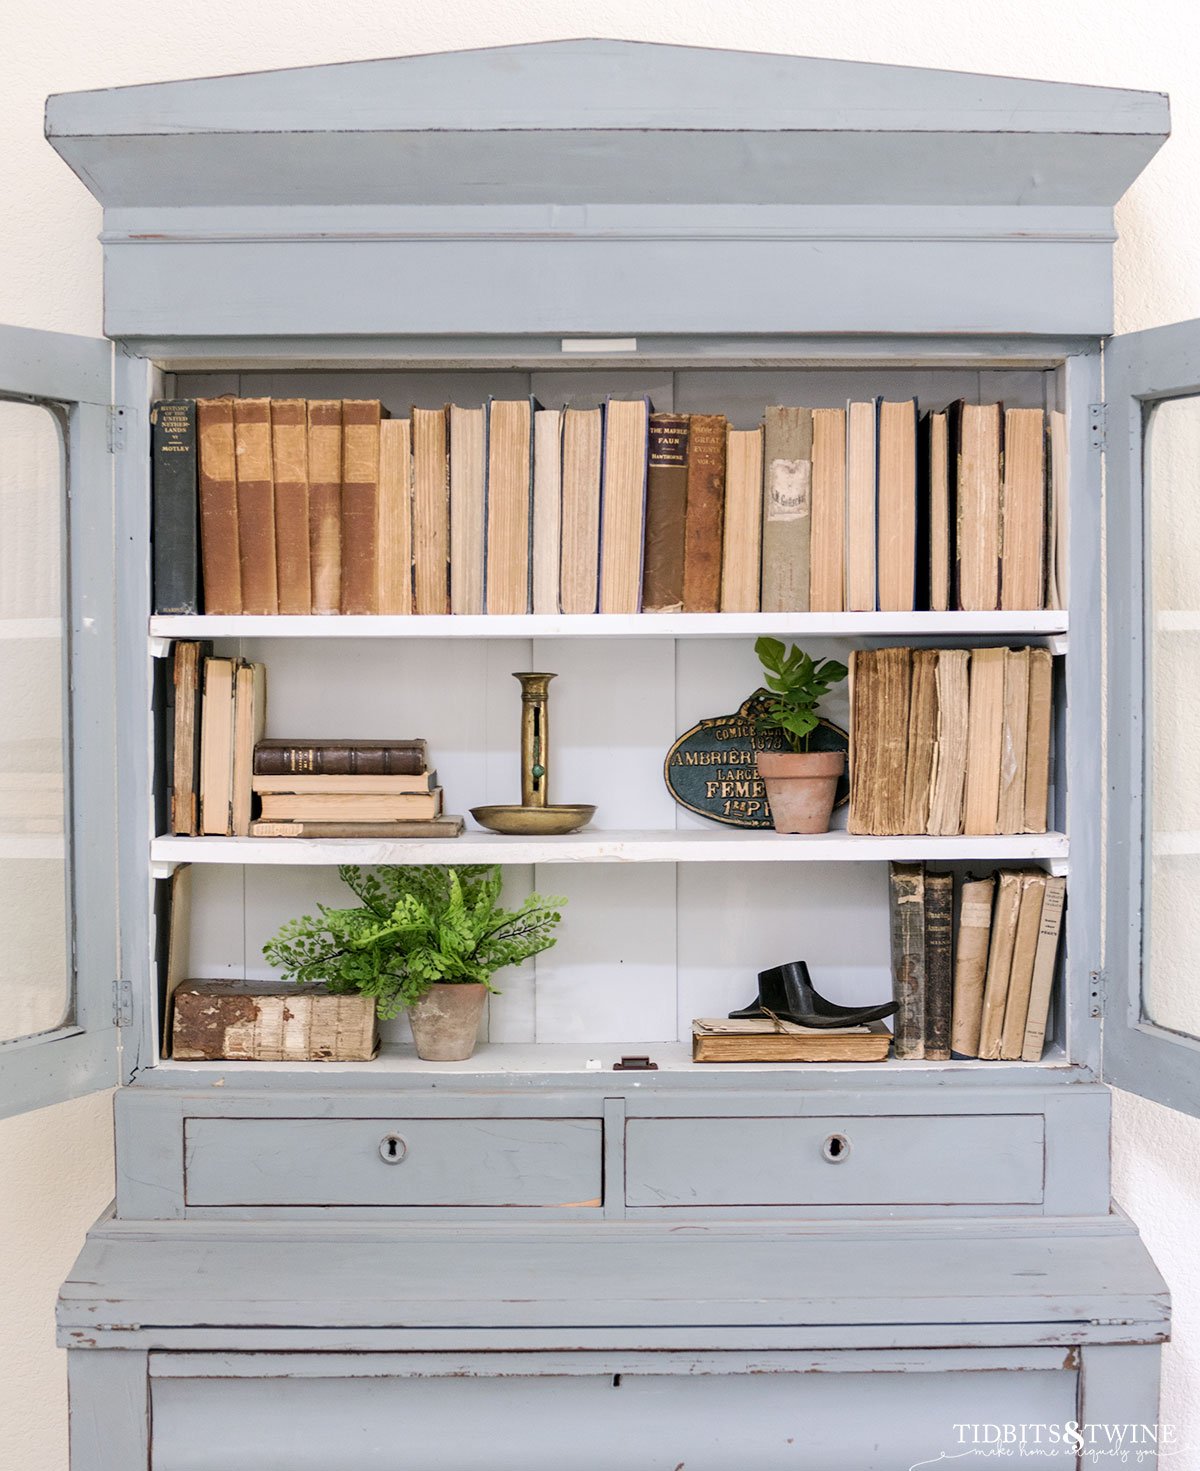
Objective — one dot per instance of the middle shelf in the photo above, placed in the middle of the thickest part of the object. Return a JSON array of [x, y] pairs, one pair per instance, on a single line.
[[600, 846]]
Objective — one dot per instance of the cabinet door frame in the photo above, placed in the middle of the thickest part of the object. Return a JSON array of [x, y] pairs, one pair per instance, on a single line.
[[1142, 369], [72, 377]]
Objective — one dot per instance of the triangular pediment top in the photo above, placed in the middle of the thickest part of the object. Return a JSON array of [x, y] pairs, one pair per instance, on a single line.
[[606, 85]]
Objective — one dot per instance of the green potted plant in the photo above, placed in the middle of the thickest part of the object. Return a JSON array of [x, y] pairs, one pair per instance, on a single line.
[[801, 783], [423, 938]]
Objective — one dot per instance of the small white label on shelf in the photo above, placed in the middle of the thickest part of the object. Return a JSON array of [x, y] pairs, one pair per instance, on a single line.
[[599, 344], [594, 1065]]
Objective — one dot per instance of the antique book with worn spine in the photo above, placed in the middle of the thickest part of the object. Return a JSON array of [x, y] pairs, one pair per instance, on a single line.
[[255, 505], [1009, 886], [939, 511], [906, 891], [704, 529], [282, 757], [582, 463], [1057, 584], [360, 504], [509, 492], [187, 667], [468, 514], [393, 536], [1044, 960], [880, 691], [1023, 545], [970, 963], [249, 722], [220, 554], [827, 549], [547, 510], [666, 511], [433, 827], [1014, 738], [717, 1039], [325, 503], [897, 506], [289, 456], [939, 964], [306, 784], [1020, 981], [431, 511], [787, 509], [216, 748], [264, 1021], [1037, 744], [351, 806], [861, 520], [922, 741], [741, 556], [623, 504], [176, 506], [949, 771], [978, 506], [985, 739]]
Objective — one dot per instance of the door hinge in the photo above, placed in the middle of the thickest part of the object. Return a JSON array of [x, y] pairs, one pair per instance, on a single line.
[[123, 1003], [1098, 426], [117, 416], [1099, 982]]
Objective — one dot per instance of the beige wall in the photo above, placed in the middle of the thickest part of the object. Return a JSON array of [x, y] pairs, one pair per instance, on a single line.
[[55, 1165]]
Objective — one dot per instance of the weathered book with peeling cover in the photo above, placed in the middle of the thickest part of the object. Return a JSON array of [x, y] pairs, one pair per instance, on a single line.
[[220, 553], [880, 692], [716, 1039], [187, 664], [787, 509], [907, 913], [704, 526], [666, 512], [939, 964], [264, 1021], [255, 505], [176, 531]]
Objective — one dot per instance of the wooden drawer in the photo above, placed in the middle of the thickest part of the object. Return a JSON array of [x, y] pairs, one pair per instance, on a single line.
[[393, 1162], [909, 1160]]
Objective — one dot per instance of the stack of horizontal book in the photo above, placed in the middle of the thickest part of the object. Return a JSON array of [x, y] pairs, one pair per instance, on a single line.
[[348, 789], [976, 982], [298, 506], [949, 741]]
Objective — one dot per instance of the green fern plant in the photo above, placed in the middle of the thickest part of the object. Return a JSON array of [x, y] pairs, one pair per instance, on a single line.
[[415, 926], [796, 684]]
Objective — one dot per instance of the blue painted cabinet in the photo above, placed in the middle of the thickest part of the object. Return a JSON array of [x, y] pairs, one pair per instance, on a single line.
[[573, 1265]]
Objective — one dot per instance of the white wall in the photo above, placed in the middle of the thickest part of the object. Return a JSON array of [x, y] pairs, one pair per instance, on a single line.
[[55, 1165]]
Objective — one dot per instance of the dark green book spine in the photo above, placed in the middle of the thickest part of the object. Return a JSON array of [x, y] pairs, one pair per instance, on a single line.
[[176, 506], [939, 964]]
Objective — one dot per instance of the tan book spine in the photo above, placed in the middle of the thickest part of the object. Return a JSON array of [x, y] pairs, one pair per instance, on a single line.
[[949, 770], [434, 827], [376, 786], [1014, 737], [623, 504], [255, 505], [1037, 744], [666, 514], [827, 582], [509, 489], [861, 484], [547, 509], [741, 556], [979, 471], [360, 504], [1023, 551], [1016, 1007], [393, 533], [249, 721], [339, 807], [985, 733], [1057, 583], [219, 550], [1044, 961], [922, 741], [970, 964], [704, 531], [787, 510], [579, 576], [468, 518], [897, 506], [879, 711], [325, 503], [289, 454], [999, 966], [186, 676], [941, 548], [216, 748], [430, 512]]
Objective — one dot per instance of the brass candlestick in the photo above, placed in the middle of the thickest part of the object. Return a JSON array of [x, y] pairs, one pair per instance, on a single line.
[[536, 816]]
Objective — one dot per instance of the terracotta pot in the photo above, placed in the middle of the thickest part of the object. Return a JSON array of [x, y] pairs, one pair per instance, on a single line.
[[800, 787], [445, 1022]]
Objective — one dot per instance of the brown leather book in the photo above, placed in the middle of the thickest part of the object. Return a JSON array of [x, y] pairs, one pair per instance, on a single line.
[[623, 504], [949, 772], [255, 505], [509, 493], [861, 481], [827, 550], [922, 741], [249, 720], [880, 692], [393, 535], [786, 509], [897, 506], [741, 559], [289, 454], [283, 757], [582, 453], [980, 450], [1014, 737], [666, 510], [999, 964], [906, 893], [939, 964], [468, 515], [1037, 746], [220, 555], [704, 527], [186, 670], [360, 504], [970, 963], [985, 738], [325, 503], [1020, 982], [1023, 548], [431, 511]]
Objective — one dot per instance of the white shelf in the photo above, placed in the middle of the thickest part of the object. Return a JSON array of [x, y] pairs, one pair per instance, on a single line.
[[618, 625], [694, 845]]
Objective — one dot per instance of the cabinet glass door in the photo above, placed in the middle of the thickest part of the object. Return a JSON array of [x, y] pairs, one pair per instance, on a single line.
[[1152, 966], [58, 965]]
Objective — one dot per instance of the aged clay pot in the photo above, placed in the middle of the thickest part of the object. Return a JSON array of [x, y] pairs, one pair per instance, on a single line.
[[445, 1020], [800, 787]]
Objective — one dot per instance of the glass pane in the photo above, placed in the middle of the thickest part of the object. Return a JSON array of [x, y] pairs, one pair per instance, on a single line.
[[1171, 975], [35, 971]]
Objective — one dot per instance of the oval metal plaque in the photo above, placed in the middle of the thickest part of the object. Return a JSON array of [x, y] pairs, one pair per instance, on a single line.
[[710, 769]]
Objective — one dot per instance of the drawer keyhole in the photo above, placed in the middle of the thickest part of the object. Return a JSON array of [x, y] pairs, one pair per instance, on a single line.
[[836, 1148], [392, 1149]]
